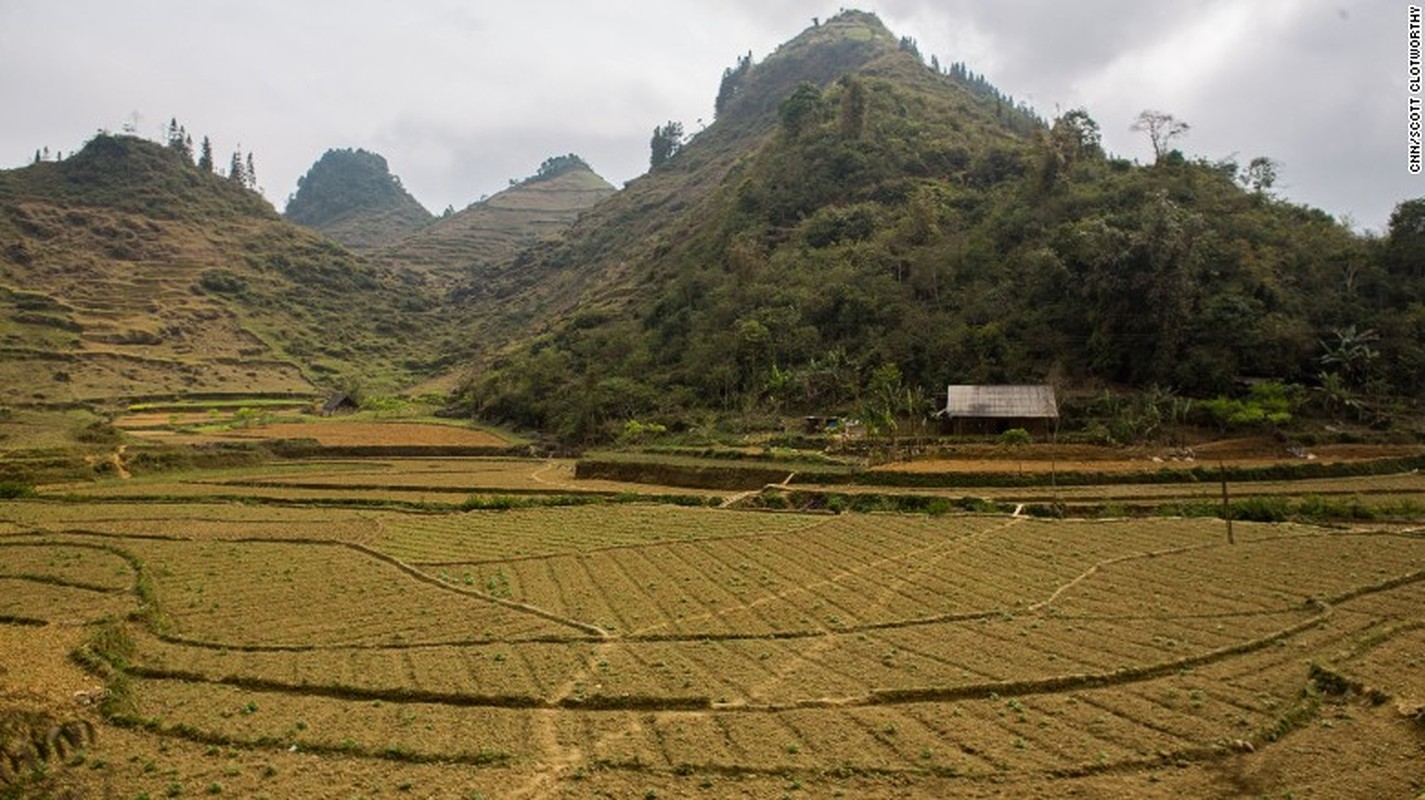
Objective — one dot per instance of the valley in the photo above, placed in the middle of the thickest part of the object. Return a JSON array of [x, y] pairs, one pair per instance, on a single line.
[[657, 491]]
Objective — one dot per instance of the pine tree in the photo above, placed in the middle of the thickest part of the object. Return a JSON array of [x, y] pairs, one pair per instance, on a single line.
[[205, 156], [667, 140], [250, 173], [235, 169]]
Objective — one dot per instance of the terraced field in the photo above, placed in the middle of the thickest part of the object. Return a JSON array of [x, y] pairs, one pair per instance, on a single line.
[[658, 650]]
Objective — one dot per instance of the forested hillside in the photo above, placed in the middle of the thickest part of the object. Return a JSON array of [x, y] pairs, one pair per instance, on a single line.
[[351, 196], [857, 224]]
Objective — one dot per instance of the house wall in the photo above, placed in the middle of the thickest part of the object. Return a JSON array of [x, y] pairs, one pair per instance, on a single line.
[[1037, 427]]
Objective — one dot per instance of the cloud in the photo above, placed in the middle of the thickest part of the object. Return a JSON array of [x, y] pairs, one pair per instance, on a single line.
[[460, 96]]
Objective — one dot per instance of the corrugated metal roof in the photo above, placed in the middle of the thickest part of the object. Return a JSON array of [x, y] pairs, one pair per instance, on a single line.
[[1001, 401]]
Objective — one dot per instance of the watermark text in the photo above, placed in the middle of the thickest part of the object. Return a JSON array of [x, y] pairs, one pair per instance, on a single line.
[[1415, 153]]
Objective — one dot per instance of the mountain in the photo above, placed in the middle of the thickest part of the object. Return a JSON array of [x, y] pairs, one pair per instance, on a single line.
[[473, 244], [128, 272], [351, 196], [858, 229]]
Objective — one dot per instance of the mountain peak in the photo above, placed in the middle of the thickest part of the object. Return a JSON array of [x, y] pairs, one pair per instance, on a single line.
[[489, 233], [819, 55], [351, 195]]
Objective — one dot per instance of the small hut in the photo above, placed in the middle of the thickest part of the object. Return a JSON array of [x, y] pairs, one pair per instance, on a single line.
[[971, 409], [340, 403]]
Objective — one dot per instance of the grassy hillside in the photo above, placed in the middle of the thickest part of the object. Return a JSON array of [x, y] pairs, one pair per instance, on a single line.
[[351, 196], [126, 272], [475, 245], [857, 230]]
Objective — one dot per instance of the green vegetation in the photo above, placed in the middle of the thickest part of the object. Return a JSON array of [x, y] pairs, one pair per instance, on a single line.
[[352, 196], [554, 166], [125, 173], [877, 212]]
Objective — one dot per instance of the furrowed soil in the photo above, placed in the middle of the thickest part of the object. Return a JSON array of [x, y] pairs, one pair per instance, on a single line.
[[258, 632]]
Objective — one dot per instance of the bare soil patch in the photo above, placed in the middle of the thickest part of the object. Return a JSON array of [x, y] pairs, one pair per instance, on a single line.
[[344, 434]]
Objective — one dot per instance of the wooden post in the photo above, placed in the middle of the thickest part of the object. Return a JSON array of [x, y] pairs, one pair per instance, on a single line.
[[1226, 504]]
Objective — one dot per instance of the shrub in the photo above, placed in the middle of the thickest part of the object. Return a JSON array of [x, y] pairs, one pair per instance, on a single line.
[[1015, 436], [11, 490]]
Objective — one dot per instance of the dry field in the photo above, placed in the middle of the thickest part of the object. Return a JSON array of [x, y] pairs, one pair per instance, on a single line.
[[373, 433], [439, 481], [176, 428], [638, 650], [1045, 458]]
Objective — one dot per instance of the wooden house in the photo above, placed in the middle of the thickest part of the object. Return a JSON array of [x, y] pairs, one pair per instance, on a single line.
[[991, 410]]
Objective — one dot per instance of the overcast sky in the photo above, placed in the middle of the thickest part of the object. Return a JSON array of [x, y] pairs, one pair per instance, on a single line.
[[462, 95]]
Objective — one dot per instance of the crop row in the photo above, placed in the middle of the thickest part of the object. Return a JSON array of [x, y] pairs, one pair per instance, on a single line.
[[850, 572], [496, 535], [283, 594], [1090, 729], [83, 566], [1247, 577], [851, 667], [25, 599], [196, 520], [452, 473]]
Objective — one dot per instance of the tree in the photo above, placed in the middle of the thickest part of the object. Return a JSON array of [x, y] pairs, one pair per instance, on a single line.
[[802, 109], [205, 156], [179, 140], [1351, 354], [555, 166], [667, 141], [1073, 136], [250, 173], [1260, 175], [1078, 132], [235, 169], [853, 107], [732, 81], [1162, 128], [1404, 246]]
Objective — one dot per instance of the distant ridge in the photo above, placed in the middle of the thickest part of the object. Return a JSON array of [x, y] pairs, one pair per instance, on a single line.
[[127, 271], [474, 242], [351, 196]]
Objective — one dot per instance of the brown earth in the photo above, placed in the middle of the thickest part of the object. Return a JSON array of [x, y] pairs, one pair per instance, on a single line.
[[342, 434], [735, 654]]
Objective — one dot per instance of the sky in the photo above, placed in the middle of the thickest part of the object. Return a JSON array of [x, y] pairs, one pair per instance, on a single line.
[[461, 96]]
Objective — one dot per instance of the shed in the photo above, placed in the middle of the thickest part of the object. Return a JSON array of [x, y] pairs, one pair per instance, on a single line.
[[340, 403], [971, 409]]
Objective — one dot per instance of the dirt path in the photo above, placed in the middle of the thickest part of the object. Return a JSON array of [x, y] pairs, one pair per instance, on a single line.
[[538, 476], [557, 758], [740, 496]]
